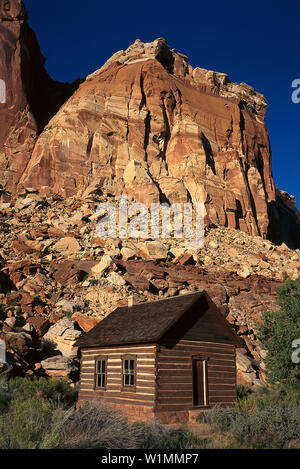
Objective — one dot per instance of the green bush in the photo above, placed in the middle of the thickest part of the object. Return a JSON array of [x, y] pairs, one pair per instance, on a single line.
[[26, 423], [48, 348], [269, 427], [57, 391], [95, 427], [99, 427], [277, 332], [267, 418], [31, 410], [153, 434], [243, 391]]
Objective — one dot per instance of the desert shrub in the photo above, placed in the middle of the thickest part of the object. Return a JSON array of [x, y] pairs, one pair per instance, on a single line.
[[26, 423], [278, 330], [283, 395], [267, 418], [57, 391], [95, 427], [4, 395], [220, 418], [154, 434], [270, 427], [243, 391], [48, 348], [31, 409]]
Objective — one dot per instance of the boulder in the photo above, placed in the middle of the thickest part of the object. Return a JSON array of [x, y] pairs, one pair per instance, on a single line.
[[59, 366], [39, 324], [86, 323], [115, 279], [154, 250], [64, 335], [98, 270], [67, 246]]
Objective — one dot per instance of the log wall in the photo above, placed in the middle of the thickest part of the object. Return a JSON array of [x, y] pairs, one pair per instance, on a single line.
[[175, 374], [144, 394]]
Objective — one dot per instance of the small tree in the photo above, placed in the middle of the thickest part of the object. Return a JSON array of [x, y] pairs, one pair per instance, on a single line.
[[277, 332]]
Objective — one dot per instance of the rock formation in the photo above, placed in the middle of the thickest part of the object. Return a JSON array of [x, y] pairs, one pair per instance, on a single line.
[[146, 124], [31, 96], [150, 126]]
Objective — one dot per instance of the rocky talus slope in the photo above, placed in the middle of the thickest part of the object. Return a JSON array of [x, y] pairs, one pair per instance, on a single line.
[[58, 279]]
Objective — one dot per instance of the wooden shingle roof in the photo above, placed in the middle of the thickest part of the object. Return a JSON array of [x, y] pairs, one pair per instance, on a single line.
[[140, 323]]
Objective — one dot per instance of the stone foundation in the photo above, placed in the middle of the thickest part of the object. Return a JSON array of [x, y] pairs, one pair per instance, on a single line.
[[139, 413]]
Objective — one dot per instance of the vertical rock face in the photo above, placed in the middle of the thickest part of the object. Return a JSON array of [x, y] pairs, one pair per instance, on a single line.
[[29, 96], [155, 129], [146, 125]]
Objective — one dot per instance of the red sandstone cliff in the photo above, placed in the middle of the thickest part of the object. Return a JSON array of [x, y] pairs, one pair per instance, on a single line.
[[147, 125], [32, 97], [153, 127]]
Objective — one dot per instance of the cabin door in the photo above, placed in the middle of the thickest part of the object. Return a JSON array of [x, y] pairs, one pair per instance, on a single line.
[[200, 382]]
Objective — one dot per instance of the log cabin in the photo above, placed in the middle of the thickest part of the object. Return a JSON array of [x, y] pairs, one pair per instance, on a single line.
[[167, 359]]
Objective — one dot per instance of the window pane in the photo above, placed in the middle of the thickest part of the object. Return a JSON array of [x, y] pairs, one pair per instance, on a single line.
[[131, 364], [100, 374], [98, 381]]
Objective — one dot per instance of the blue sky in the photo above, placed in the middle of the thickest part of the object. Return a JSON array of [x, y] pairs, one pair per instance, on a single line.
[[254, 42]]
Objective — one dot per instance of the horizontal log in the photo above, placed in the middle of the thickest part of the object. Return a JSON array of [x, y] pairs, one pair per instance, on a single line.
[[213, 374], [174, 366], [168, 401], [124, 395], [145, 368], [114, 399], [219, 386], [172, 407], [221, 361], [161, 360], [173, 373], [222, 392], [145, 384], [222, 401], [144, 376], [139, 389], [167, 386], [225, 381], [145, 361], [175, 394], [222, 368], [184, 380]]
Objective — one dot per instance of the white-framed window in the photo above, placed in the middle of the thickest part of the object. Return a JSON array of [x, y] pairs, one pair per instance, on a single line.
[[100, 373], [129, 372]]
